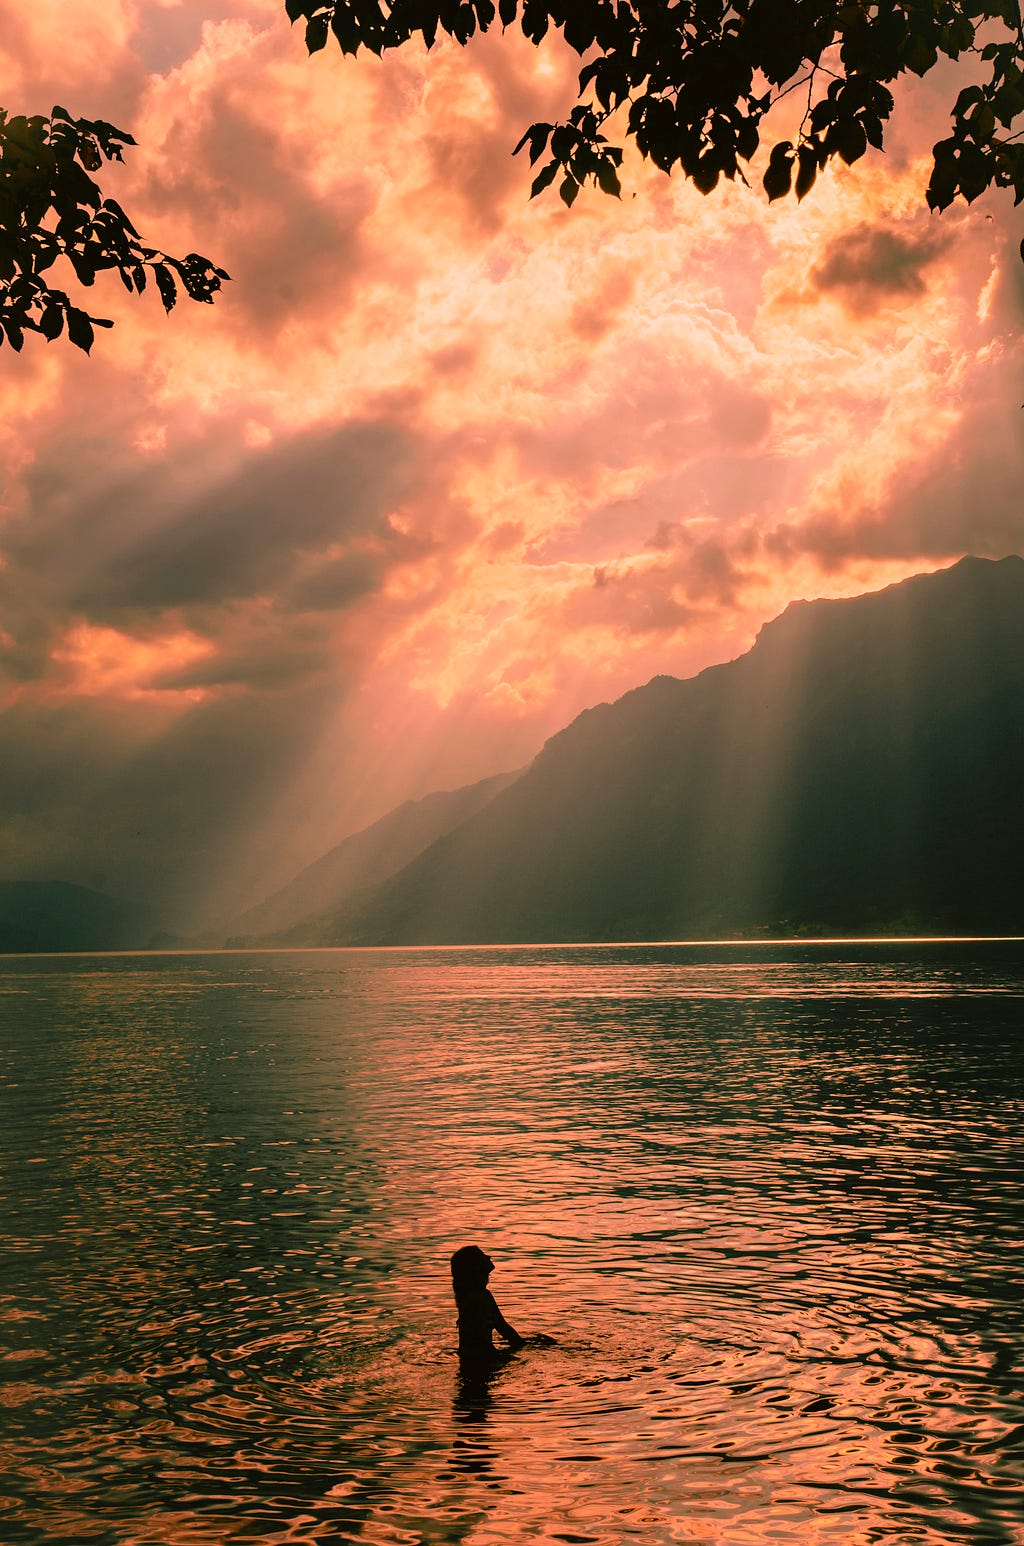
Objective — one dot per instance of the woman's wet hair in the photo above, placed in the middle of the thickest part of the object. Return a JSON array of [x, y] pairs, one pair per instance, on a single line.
[[469, 1267]]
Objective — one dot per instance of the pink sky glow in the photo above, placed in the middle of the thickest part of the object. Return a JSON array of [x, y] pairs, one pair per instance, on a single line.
[[444, 466]]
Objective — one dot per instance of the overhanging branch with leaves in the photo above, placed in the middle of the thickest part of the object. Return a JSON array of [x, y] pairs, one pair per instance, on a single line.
[[52, 209], [690, 82]]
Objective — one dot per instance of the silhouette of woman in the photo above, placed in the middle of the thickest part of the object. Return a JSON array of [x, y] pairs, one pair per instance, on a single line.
[[478, 1311]]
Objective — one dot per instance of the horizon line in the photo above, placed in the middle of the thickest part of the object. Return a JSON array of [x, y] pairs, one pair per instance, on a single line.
[[623, 944]]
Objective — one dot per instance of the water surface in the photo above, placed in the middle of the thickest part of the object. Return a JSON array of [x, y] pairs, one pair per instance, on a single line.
[[767, 1200]]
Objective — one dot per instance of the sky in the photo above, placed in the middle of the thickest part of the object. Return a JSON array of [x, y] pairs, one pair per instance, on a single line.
[[443, 466]]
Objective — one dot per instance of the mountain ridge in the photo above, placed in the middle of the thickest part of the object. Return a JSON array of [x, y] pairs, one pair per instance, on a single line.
[[821, 781], [364, 858], [55, 916]]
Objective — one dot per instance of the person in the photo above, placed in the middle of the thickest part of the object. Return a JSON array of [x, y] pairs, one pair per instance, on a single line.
[[477, 1307]]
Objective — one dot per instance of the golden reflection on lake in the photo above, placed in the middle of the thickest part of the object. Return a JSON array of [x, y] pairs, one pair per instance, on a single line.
[[766, 1200]]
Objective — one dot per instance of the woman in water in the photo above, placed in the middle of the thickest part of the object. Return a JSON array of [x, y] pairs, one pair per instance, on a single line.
[[479, 1315]]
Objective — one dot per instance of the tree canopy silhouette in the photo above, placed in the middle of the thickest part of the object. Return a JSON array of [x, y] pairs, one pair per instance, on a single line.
[[51, 208], [690, 81]]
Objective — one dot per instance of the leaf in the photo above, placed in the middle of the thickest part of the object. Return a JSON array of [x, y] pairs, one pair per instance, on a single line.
[[778, 178], [535, 20], [850, 140], [975, 172], [938, 196], [578, 28], [51, 323], [568, 191], [8, 257], [563, 142], [80, 329], [920, 55], [957, 35], [463, 24], [608, 179], [942, 185], [84, 267], [969, 97], [544, 179], [536, 137], [873, 130], [705, 174], [316, 34], [165, 284], [747, 139], [807, 172], [115, 209], [1007, 103]]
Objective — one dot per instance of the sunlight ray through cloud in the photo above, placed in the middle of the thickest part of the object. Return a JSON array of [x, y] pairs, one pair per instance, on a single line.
[[449, 464]]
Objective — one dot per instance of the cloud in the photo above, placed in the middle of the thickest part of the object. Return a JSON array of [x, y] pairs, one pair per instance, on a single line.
[[150, 543], [248, 533], [228, 169], [270, 655], [873, 264], [628, 600], [444, 465], [39, 71], [961, 496]]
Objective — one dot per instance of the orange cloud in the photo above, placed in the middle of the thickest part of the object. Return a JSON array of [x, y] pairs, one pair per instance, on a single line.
[[444, 466], [99, 662]]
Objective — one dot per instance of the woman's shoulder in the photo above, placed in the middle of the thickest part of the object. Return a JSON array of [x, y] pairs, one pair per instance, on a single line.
[[474, 1297]]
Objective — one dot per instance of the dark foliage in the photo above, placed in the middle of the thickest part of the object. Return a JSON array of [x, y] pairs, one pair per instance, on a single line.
[[689, 81], [693, 80], [51, 209]]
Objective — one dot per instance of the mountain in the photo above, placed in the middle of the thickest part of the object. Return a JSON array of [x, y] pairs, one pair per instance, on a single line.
[[859, 770], [366, 858], [54, 915]]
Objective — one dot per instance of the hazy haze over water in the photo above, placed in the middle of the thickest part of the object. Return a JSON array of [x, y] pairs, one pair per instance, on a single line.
[[767, 1199]]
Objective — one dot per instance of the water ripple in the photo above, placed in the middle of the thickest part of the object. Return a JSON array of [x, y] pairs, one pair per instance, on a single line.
[[767, 1202]]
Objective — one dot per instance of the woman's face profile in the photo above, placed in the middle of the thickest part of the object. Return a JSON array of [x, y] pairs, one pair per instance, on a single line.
[[484, 1266]]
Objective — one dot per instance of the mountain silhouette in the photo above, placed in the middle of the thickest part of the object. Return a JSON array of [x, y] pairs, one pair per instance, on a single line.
[[55, 915], [859, 770], [365, 859]]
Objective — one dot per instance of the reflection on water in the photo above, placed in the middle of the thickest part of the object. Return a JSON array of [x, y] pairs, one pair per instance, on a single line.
[[768, 1201]]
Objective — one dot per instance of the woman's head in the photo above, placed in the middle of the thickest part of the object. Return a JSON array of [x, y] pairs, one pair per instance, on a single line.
[[471, 1268]]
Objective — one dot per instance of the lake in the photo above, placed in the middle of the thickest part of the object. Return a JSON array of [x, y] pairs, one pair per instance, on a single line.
[[768, 1201]]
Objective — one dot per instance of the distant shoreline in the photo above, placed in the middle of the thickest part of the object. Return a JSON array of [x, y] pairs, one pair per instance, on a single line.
[[755, 943]]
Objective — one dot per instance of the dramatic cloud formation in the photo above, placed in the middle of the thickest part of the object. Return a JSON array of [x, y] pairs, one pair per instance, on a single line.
[[443, 467]]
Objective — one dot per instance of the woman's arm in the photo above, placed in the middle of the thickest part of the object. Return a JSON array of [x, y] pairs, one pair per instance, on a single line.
[[502, 1327]]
